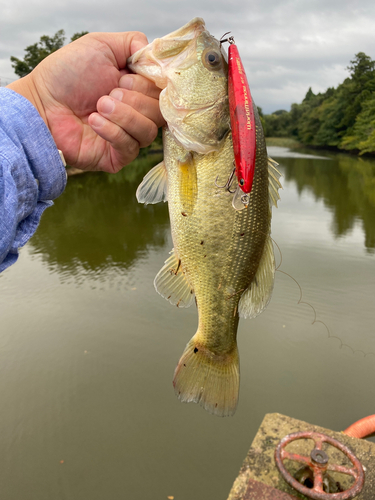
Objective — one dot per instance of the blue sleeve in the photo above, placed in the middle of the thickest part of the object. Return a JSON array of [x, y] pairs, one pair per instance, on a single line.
[[31, 173]]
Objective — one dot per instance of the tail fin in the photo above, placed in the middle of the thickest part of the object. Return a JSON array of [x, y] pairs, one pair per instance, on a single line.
[[208, 379]]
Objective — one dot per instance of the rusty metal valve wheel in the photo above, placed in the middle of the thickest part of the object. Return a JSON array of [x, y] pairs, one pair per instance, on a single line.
[[318, 462]]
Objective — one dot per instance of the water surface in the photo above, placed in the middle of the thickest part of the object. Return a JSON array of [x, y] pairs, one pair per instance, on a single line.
[[88, 348]]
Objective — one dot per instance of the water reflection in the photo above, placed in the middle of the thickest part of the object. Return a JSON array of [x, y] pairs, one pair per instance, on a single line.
[[345, 184], [98, 222]]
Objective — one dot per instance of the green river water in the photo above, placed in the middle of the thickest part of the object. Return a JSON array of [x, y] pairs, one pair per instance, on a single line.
[[88, 348]]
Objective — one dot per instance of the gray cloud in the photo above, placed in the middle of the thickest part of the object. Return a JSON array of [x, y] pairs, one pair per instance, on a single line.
[[286, 46]]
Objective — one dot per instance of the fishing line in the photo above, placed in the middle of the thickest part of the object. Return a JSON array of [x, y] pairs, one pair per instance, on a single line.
[[315, 320]]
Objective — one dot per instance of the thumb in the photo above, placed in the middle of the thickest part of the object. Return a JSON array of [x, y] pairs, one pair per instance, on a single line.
[[138, 42]]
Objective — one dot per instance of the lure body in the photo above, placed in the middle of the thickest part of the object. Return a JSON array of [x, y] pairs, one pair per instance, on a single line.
[[242, 120]]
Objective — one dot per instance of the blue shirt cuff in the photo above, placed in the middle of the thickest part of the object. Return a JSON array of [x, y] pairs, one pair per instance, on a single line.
[[31, 173]]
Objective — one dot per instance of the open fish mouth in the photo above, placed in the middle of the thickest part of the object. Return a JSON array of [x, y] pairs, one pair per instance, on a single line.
[[152, 59]]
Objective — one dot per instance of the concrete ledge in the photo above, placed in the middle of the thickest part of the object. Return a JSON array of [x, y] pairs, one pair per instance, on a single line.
[[259, 464]]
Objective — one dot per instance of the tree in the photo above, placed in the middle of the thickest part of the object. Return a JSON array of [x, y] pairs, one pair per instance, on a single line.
[[363, 135], [309, 95], [277, 124], [78, 35], [361, 66], [38, 51]]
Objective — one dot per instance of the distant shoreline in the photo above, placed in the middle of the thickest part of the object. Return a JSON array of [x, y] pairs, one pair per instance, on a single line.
[[291, 143]]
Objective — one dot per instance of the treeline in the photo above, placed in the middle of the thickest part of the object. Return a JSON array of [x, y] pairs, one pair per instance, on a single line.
[[342, 117]]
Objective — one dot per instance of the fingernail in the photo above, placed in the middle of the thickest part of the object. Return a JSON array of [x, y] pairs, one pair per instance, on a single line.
[[96, 120], [107, 105], [116, 94], [126, 82]]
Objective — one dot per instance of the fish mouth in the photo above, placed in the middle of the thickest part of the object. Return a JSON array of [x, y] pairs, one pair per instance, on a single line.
[[151, 61], [196, 119]]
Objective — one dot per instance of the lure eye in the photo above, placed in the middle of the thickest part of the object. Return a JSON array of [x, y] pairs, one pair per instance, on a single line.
[[212, 59]]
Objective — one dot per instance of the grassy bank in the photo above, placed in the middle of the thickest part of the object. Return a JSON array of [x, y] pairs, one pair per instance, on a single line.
[[283, 142]]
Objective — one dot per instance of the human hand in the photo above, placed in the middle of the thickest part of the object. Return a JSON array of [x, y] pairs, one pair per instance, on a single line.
[[99, 115]]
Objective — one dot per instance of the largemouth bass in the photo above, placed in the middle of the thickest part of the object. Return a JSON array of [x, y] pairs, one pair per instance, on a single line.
[[222, 256]]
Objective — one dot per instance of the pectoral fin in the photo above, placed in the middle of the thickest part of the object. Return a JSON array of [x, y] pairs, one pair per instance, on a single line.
[[172, 284], [154, 187], [256, 298]]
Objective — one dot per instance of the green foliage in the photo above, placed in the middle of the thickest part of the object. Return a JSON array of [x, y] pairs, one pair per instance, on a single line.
[[363, 134], [343, 117], [261, 117], [277, 124], [78, 35], [38, 51]]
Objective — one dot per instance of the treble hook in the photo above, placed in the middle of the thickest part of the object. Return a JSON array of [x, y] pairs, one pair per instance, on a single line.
[[229, 182], [229, 39]]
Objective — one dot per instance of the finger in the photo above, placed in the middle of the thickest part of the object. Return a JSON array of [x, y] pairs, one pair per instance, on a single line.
[[134, 123], [147, 106], [138, 41], [124, 148], [140, 84]]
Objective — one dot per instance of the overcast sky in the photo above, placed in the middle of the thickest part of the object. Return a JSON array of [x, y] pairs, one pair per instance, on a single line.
[[286, 46]]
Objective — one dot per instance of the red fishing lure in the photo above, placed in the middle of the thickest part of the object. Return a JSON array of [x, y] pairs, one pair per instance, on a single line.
[[242, 120]]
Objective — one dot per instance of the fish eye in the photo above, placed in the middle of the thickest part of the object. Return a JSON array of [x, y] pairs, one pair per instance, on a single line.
[[212, 59]]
